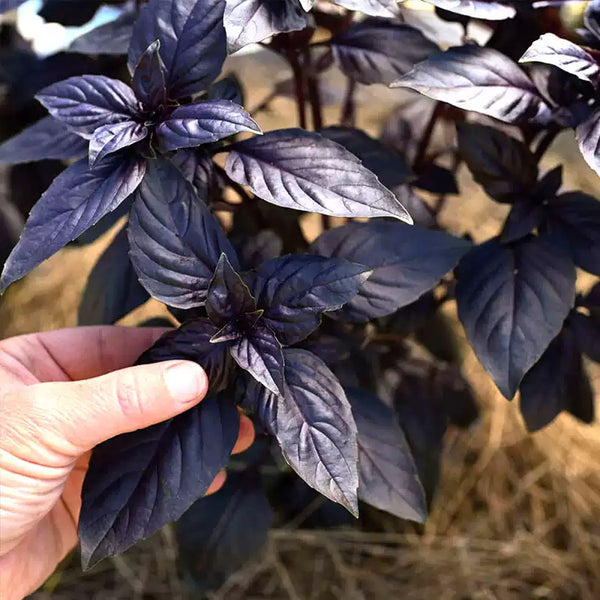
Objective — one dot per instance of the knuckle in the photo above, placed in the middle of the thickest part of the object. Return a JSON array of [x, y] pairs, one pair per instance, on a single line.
[[128, 392]]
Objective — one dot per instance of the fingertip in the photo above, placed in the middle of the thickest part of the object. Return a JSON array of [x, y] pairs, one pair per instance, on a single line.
[[217, 483], [246, 435], [186, 381]]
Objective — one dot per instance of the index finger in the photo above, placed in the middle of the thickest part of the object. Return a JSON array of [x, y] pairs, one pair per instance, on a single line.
[[83, 352]]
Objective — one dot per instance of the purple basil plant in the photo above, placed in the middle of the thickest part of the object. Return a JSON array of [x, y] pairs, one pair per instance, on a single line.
[[316, 340]]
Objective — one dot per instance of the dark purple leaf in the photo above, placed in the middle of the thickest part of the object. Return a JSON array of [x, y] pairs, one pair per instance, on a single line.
[[149, 78], [457, 395], [111, 38], [512, 301], [588, 137], [314, 426], [260, 353], [436, 179], [294, 291], [413, 317], [380, 51], [591, 20], [426, 399], [11, 225], [110, 138], [513, 37], [583, 406], [61, 11], [218, 534], [387, 472], [555, 383], [228, 88], [6, 5], [376, 8], [571, 58], [77, 199], [452, 17], [192, 342], [192, 42], [587, 334], [404, 129], [228, 296], [46, 139], [501, 164], [406, 262], [87, 102], [140, 481], [360, 369], [263, 246], [175, 240], [112, 289], [251, 21], [305, 171], [24, 74], [575, 217], [331, 349], [561, 91], [305, 507], [592, 299], [418, 209], [478, 79], [477, 9], [436, 332], [524, 216], [198, 168], [549, 185], [210, 121], [389, 166], [418, 380]]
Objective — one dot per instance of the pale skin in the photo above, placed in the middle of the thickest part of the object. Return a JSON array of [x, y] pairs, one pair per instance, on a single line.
[[61, 394]]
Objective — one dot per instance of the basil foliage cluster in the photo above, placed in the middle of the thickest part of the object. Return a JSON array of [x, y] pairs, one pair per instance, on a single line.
[[335, 346]]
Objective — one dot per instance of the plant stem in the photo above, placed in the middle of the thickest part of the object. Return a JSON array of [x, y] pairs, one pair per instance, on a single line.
[[545, 142], [348, 117], [314, 94], [326, 222], [223, 206], [441, 200], [426, 137], [292, 57]]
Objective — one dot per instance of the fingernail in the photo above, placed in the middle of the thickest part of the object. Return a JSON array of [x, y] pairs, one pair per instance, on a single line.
[[186, 381]]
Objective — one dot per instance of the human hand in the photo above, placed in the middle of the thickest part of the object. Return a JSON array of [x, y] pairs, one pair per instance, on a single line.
[[61, 394]]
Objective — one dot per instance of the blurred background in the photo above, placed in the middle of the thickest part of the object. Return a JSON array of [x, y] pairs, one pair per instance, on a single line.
[[515, 516]]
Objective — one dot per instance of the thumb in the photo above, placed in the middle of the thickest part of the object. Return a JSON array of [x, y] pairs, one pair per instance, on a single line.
[[81, 414]]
